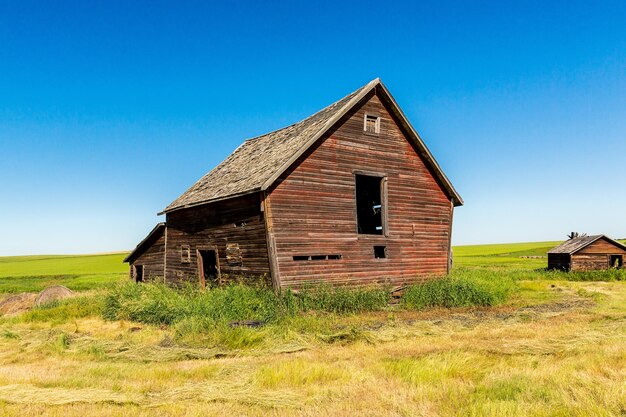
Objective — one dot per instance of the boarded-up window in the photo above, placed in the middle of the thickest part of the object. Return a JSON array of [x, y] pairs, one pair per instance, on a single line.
[[185, 254], [233, 254], [372, 124]]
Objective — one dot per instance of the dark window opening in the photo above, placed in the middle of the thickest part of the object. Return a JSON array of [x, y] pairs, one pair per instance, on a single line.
[[209, 270], [138, 273], [380, 252], [316, 257], [369, 205], [616, 261], [372, 124]]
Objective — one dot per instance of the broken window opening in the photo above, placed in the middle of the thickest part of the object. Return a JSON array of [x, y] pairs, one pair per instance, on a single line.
[[616, 261], [380, 252], [369, 205]]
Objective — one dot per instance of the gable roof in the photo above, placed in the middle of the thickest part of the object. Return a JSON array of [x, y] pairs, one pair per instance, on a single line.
[[572, 246], [258, 162], [152, 237]]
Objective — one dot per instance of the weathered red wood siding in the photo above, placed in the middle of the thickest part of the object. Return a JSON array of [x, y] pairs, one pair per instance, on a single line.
[[312, 211], [152, 260], [595, 256], [237, 220]]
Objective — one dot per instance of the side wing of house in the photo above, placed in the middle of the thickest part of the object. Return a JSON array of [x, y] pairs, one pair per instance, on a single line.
[[211, 243], [147, 260], [601, 254], [360, 206]]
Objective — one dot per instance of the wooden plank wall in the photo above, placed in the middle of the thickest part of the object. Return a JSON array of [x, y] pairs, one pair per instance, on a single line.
[[602, 246], [152, 260], [590, 262], [595, 256], [313, 209], [237, 220]]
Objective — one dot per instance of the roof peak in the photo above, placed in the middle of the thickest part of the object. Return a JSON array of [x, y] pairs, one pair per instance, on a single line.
[[365, 87], [571, 246], [259, 161]]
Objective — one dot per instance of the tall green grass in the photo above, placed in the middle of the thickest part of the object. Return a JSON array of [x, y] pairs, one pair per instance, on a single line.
[[196, 310], [160, 304], [473, 288]]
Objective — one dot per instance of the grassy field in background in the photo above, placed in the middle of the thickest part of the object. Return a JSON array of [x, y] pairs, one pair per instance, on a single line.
[[556, 347], [77, 272]]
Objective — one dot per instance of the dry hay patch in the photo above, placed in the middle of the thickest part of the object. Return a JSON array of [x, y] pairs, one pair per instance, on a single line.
[[17, 303], [30, 394]]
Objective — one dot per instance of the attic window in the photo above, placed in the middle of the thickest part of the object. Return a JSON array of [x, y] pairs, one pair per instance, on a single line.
[[185, 254], [371, 124], [369, 205]]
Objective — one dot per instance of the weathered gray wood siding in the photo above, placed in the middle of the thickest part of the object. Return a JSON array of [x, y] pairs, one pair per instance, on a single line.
[[595, 256], [152, 260], [237, 220], [312, 211]]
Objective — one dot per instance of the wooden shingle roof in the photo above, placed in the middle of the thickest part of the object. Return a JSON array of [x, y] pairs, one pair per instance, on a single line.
[[574, 245], [258, 162]]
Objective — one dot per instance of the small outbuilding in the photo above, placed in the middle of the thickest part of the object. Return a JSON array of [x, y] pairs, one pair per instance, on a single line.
[[586, 253]]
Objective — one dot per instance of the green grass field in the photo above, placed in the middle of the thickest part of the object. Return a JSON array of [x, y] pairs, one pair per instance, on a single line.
[[555, 347], [79, 273]]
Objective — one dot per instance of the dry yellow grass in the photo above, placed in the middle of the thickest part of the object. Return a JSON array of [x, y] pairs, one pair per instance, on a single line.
[[556, 349], [565, 356]]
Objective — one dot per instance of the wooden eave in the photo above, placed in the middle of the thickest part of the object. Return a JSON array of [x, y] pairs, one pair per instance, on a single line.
[[152, 237]]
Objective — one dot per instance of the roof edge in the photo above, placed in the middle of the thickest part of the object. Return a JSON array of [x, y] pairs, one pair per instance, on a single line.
[[330, 123], [595, 239], [139, 248], [209, 201], [365, 90], [454, 195]]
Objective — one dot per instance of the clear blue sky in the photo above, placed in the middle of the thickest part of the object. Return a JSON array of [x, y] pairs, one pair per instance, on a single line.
[[109, 110]]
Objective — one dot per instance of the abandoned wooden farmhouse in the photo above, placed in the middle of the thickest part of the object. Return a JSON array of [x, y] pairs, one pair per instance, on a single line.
[[350, 195], [586, 253]]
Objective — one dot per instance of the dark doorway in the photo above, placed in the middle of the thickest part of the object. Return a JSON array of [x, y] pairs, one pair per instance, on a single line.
[[138, 273], [616, 261], [369, 205], [209, 268]]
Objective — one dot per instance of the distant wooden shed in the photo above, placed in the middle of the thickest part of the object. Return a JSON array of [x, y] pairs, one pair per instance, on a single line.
[[587, 253]]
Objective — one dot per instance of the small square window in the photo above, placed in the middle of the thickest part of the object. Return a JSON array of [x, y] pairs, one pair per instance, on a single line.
[[185, 254], [371, 124], [380, 252]]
